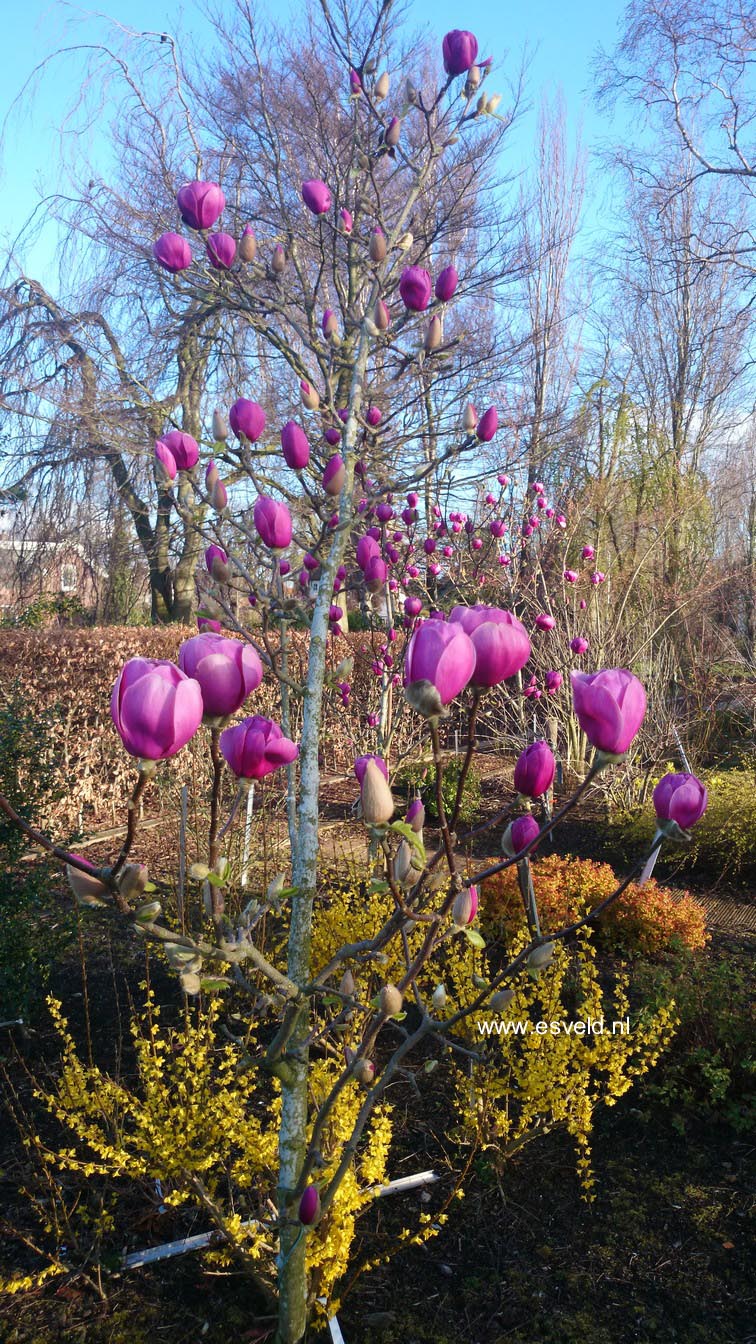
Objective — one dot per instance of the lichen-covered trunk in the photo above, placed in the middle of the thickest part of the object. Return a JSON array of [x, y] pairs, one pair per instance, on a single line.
[[292, 1276]]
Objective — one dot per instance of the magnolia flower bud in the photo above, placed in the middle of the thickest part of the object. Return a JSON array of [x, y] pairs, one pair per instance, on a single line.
[[347, 985], [438, 997], [247, 245], [391, 1000], [220, 426], [469, 419], [275, 887], [87, 888], [480, 106], [392, 133], [377, 802], [465, 907], [403, 862], [381, 316], [434, 335], [541, 956], [377, 246], [364, 1071], [502, 999], [410, 92], [473, 81], [309, 1206], [415, 816], [381, 87], [425, 699], [330, 324], [133, 880], [310, 398], [492, 103], [406, 241], [217, 564], [278, 260]]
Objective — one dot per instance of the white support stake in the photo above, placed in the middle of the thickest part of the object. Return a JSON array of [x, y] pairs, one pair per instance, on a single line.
[[247, 836], [406, 1183], [152, 1254], [335, 1329]]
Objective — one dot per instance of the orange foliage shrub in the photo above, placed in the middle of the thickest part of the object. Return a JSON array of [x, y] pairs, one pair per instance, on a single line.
[[648, 919]]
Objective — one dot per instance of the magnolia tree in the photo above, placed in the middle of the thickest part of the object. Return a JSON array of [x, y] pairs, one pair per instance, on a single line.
[[396, 541]]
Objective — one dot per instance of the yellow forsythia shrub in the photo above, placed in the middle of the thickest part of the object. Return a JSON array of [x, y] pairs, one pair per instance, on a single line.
[[561, 1047], [649, 919], [207, 1130], [532, 1083]]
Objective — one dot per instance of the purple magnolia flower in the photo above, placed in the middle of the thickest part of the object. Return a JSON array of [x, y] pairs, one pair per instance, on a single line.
[[273, 522], [460, 49], [610, 707], [172, 252], [227, 670], [309, 1206], [201, 204], [680, 798], [587, 553], [247, 420], [316, 196], [553, 682], [578, 644], [255, 747], [535, 770], [362, 762], [295, 445], [183, 449], [376, 572], [501, 642], [519, 834], [221, 250], [446, 284], [415, 288], [442, 656], [333, 476], [216, 561], [415, 815], [544, 621], [413, 606], [347, 222], [374, 416], [155, 707], [166, 459], [367, 549], [487, 425], [571, 575]]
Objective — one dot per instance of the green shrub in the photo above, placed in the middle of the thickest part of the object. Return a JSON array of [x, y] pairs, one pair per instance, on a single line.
[[724, 840], [710, 1070], [65, 610], [28, 947], [420, 778]]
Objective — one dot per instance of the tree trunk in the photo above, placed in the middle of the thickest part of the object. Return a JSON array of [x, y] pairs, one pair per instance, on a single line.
[[292, 1274]]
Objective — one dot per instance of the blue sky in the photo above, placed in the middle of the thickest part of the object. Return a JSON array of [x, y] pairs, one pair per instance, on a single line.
[[563, 38]]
